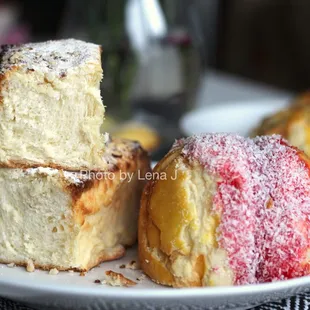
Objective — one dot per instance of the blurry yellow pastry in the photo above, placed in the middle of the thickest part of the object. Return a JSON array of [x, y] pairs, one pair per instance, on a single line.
[[145, 135], [293, 123]]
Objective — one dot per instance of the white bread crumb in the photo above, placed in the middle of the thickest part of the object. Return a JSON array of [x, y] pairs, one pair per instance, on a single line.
[[30, 266], [132, 265], [53, 271], [142, 277], [11, 265]]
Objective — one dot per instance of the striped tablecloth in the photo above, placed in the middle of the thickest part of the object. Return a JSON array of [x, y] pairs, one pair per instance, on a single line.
[[300, 302]]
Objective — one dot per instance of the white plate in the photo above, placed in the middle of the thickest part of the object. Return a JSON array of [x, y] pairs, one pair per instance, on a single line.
[[237, 117], [67, 290]]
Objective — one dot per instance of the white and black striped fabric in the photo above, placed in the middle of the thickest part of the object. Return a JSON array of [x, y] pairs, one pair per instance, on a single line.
[[12, 305], [300, 302]]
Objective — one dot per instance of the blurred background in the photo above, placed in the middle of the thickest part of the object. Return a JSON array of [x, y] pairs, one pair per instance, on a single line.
[[162, 59]]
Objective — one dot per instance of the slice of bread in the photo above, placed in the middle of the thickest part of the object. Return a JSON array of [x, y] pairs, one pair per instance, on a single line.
[[50, 105], [72, 220]]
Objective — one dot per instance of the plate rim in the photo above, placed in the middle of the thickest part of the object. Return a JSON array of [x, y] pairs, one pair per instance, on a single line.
[[183, 123], [31, 286]]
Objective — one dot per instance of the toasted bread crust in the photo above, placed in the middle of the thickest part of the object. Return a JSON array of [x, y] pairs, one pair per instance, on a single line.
[[131, 159], [155, 268]]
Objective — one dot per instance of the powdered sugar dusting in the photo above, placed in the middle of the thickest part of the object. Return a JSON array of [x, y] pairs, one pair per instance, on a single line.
[[49, 57], [71, 177], [264, 199], [41, 170], [74, 177]]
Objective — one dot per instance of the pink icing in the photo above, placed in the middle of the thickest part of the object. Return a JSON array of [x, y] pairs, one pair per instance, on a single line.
[[264, 240]]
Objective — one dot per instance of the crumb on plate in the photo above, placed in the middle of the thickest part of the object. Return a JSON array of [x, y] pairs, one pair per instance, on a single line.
[[117, 279], [30, 266], [11, 265], [53, 271], [142, 277], [132, 265]]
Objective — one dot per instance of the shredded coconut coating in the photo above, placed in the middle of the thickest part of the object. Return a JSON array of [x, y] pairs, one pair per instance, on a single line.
[[262, 194], [236, 161], [286, 223]]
